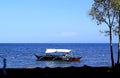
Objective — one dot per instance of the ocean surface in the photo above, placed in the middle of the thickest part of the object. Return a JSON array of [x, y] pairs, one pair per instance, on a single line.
[[21, 55]]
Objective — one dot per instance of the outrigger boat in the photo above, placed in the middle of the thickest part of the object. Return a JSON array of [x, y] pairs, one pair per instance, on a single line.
[[49, 57]]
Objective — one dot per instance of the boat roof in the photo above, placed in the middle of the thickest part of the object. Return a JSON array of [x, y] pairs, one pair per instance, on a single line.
[[57, 50]]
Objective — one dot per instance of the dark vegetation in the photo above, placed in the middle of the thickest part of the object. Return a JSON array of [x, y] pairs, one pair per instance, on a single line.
[[68, 72]]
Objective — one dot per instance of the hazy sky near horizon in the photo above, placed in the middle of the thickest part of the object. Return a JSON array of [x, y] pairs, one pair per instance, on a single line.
[[49, 21]]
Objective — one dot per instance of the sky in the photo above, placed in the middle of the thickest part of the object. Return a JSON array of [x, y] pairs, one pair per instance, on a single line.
[[49, 21]]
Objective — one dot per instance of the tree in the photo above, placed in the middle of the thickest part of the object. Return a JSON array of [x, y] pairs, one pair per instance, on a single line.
[[116, 8], [102, 12]]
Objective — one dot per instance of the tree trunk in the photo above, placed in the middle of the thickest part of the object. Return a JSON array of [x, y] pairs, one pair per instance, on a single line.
[[111, 48], [118, 59]]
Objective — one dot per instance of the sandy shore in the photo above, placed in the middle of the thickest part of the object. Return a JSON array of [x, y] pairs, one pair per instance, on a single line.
[[85, 71]]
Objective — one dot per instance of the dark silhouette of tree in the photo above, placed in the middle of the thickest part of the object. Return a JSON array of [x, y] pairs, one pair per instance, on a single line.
[[103, 12], [118, 60], [116, 8]]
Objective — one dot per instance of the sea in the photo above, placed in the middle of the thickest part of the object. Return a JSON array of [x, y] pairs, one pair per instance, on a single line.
[[22, 55]]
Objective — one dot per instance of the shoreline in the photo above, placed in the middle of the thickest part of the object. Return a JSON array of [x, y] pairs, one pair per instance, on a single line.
[[85, 71]]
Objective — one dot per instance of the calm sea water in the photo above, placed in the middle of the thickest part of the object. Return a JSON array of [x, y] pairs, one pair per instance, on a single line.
[[21, 55]]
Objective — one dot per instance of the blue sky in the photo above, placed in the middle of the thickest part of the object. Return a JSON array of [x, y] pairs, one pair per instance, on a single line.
[[49, 21]]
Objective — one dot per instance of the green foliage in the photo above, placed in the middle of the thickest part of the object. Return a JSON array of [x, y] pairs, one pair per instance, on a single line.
[[116, 5], [102, 11]]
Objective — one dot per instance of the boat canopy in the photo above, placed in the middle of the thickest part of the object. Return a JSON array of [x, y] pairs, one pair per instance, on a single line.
[[57, 50]]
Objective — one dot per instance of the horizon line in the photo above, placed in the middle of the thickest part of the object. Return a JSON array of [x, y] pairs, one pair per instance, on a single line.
[[54, 42]]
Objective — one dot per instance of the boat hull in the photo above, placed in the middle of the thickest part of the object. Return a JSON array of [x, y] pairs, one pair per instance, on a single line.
[[56, 58]]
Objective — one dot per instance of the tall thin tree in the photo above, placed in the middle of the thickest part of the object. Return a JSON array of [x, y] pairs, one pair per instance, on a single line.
[[102, 12], [116, 8]]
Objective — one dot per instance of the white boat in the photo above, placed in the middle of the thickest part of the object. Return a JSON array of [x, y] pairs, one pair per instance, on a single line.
[[50, 57]]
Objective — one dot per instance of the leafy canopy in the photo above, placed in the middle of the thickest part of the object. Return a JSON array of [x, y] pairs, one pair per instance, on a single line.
[[102, 11]]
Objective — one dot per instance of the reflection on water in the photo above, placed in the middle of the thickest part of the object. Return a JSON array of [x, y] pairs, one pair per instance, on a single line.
[[52, 64]]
